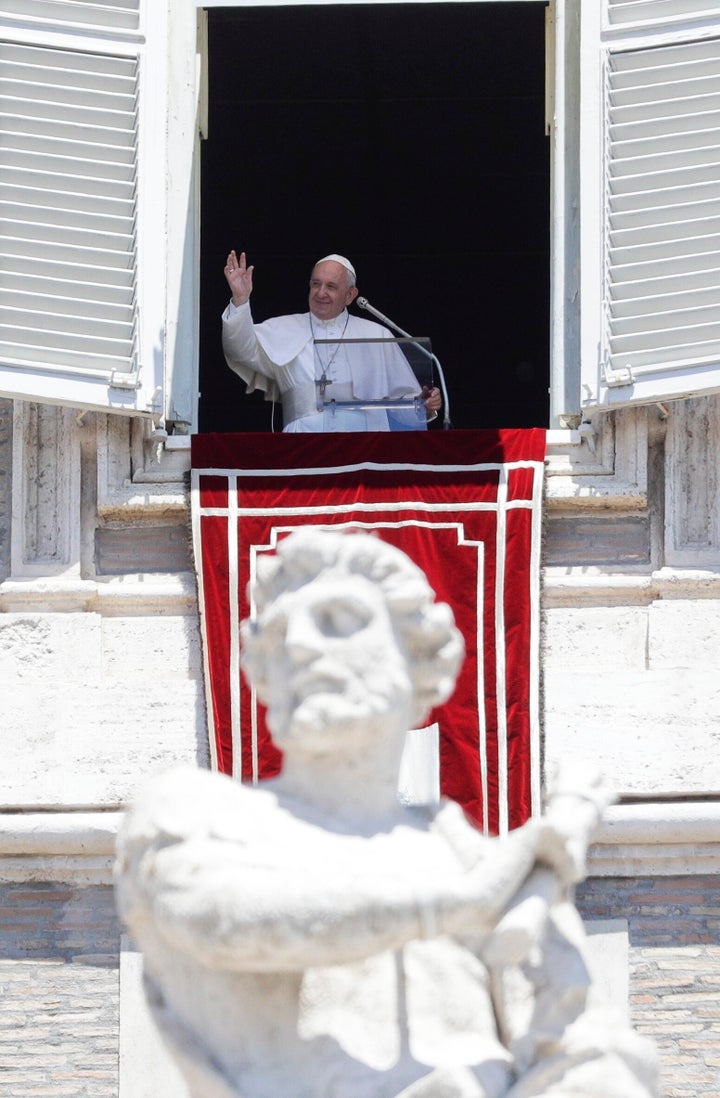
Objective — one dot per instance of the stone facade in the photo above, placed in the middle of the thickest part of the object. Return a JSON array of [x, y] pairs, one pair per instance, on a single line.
[[102, 684]]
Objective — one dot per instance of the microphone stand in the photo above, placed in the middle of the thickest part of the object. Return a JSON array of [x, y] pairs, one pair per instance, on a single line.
[[363, 303]]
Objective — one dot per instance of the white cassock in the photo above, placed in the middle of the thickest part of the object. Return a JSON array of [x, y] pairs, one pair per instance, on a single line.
[[282, 358]]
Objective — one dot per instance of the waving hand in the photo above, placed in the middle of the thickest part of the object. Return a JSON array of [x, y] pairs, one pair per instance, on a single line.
[[239, 278]]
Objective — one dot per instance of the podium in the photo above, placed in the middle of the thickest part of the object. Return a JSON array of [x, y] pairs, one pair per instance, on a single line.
[[350, 372], [465, 506]]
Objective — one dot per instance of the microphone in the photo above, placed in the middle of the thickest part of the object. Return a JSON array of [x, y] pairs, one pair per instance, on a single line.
[[363, 303]]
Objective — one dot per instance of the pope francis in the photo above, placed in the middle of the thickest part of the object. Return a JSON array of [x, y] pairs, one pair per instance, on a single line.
[[316, 363]]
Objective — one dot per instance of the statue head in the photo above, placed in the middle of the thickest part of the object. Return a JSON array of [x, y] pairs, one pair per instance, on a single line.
[[347, 632]]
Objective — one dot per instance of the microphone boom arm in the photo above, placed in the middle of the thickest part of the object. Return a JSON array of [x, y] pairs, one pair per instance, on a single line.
[[363, 303]]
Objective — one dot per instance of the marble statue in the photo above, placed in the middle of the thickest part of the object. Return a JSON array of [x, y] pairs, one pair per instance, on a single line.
[[313, 938]]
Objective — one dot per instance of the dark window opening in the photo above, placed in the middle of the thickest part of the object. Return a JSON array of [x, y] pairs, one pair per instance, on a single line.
[[409, 138]]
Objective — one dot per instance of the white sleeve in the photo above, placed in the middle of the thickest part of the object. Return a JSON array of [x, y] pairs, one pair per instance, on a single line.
[[243, 353]]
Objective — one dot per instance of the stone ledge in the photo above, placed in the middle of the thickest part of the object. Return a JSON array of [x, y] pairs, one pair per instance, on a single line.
[[137, 594], [657, 839], [577, 586], [677, 839], [62, 847], [145, 501]]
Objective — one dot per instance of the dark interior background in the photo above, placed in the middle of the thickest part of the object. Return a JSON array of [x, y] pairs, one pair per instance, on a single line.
[[409, 138]]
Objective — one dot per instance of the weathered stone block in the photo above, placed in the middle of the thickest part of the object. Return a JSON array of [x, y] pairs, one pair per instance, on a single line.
[[684, 633], [166, 648], [52, 647], [594, 638], [94, 744], [652, 733]]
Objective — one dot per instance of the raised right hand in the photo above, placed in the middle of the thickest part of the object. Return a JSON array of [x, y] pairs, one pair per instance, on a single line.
[[239, 278]]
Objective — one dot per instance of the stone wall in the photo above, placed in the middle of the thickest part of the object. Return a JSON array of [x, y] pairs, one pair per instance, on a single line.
[[59, 963], [674, 953], [631, 600], [93, 703], [99, 631], [5, 485], [60, 956], [101, 675]]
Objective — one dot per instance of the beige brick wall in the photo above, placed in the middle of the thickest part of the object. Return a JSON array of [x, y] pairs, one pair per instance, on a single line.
[[59, 963], [674, 940]]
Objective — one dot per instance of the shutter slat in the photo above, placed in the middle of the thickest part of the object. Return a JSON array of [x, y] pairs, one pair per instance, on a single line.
[[68, 151], [90, 171], [61, 359], [669, 250], [665, 303], [656, 348], [623, 12], [667, 160], [681, 264], [36, 177], [96, 297], [653, 95], [664, 127], [661, 181], [16, 261], [665, 233], [32, 302], [654, 215], [84, 221], [87, 240], [84, 13], [90, 259], [103, 97], [86, 114], [673, 320], [643, 202], [25, 127], [104, 333], [652, 145], [46, 82], [667, 58], [105, 65], [656, 70], [66, 347], [80, 203], [104, 149], [689, 282], [678, 107]]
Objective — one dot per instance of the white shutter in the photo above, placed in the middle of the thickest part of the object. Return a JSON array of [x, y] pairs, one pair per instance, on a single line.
[[659, 216], [663, 212], [69, 197]]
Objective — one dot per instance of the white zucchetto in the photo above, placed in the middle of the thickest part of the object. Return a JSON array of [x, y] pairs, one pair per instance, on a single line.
[[338, 259]]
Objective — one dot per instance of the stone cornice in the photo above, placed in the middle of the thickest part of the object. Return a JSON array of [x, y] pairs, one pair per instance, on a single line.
[[658, 839], [67, 847], [640, 840], [576, 587], [134, 594]]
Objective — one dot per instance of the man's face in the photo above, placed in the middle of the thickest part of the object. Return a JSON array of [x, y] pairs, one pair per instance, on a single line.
[[329, 290], [334, 664]]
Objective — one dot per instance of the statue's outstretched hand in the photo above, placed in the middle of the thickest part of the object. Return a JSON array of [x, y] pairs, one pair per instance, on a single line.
[[239, 278], [577, 801]]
